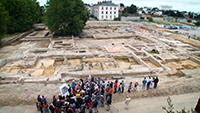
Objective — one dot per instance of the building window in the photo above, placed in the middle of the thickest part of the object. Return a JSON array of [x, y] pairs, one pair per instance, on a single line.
[[106, 12], [106, 17], [110, 17], [115, 8], [102, 17], [114, 16], [102, 12], [110, 8], [106, 8], [110, 12], [114, 12], [102, 8]]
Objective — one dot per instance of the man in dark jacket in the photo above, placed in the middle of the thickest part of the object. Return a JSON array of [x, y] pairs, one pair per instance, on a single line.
[[95, 104], [108, 102], [156, 82]]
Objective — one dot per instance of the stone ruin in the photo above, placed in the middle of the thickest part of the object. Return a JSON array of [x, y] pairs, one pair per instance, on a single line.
[[104, 49]]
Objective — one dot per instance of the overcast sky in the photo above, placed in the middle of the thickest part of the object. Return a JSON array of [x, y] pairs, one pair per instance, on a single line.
[[181, 5]]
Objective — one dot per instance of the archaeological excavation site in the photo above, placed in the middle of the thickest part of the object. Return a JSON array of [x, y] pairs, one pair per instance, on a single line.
[[105, 49]]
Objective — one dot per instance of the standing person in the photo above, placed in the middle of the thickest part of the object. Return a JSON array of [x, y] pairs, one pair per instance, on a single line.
[[111, 84], [130, 87], [95, 104], [70, 110], [41, 107], [120, 88], [144, 83], [136, 84], [116, 80], [39, 99], [115, 87], [127, 101], [82, 108], [102, 91], [152, 83], [102, 101], [73, 85], [54, 98], [156, 82], [51, 108], [123, 85], [44, 99], [46, 110], [108, 102], [148, 83], [90, 110], [110, 91]]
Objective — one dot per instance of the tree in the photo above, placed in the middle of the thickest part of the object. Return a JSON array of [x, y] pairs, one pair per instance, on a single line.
[[3, 20], [132, 9], [150, 19], [179, 14], [140, 8], [65, 17], [153, 9], [143, 12], [121, 5], [22, 14], [190, 14], [118, 19], [41, 14], [126, 14]]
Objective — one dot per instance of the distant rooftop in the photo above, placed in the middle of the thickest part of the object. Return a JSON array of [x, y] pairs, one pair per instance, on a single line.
[[105, 3]]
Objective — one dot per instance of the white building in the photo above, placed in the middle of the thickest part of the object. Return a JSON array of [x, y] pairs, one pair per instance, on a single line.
[[105, 10], [158, 13]]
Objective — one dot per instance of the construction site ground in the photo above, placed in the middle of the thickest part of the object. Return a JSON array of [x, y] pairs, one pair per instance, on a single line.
[[185, 90]]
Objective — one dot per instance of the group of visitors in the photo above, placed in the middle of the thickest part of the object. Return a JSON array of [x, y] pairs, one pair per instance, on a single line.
[[88, 94], [150, 84]]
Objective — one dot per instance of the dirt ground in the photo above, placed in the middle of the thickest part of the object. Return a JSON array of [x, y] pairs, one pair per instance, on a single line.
[[23, 95], [185, 39]]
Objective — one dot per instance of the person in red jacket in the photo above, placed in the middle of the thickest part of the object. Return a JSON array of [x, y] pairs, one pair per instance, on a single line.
[[115, 87], [110, 91]]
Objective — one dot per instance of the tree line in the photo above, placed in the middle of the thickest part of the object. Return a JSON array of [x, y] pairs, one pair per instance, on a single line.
[[65, 17], [18, 15]]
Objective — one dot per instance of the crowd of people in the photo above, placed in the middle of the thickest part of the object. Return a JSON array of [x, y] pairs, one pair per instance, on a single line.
[[89, 94]]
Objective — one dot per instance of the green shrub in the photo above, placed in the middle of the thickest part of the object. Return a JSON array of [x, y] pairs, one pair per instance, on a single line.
[[170, 108], [197, 23], [96, 18], [150, 19]]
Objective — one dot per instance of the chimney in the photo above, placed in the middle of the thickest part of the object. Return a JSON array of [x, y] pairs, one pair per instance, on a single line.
[[110, 1]]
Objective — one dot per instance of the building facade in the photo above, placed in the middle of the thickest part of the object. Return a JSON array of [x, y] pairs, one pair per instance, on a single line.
[[105, 10]]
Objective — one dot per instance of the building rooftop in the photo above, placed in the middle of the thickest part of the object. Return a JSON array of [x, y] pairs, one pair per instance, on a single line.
[[105, 3]]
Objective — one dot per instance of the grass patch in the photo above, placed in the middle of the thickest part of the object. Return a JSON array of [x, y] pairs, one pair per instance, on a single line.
[[152, 52], [167, 23], [186, 23]]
